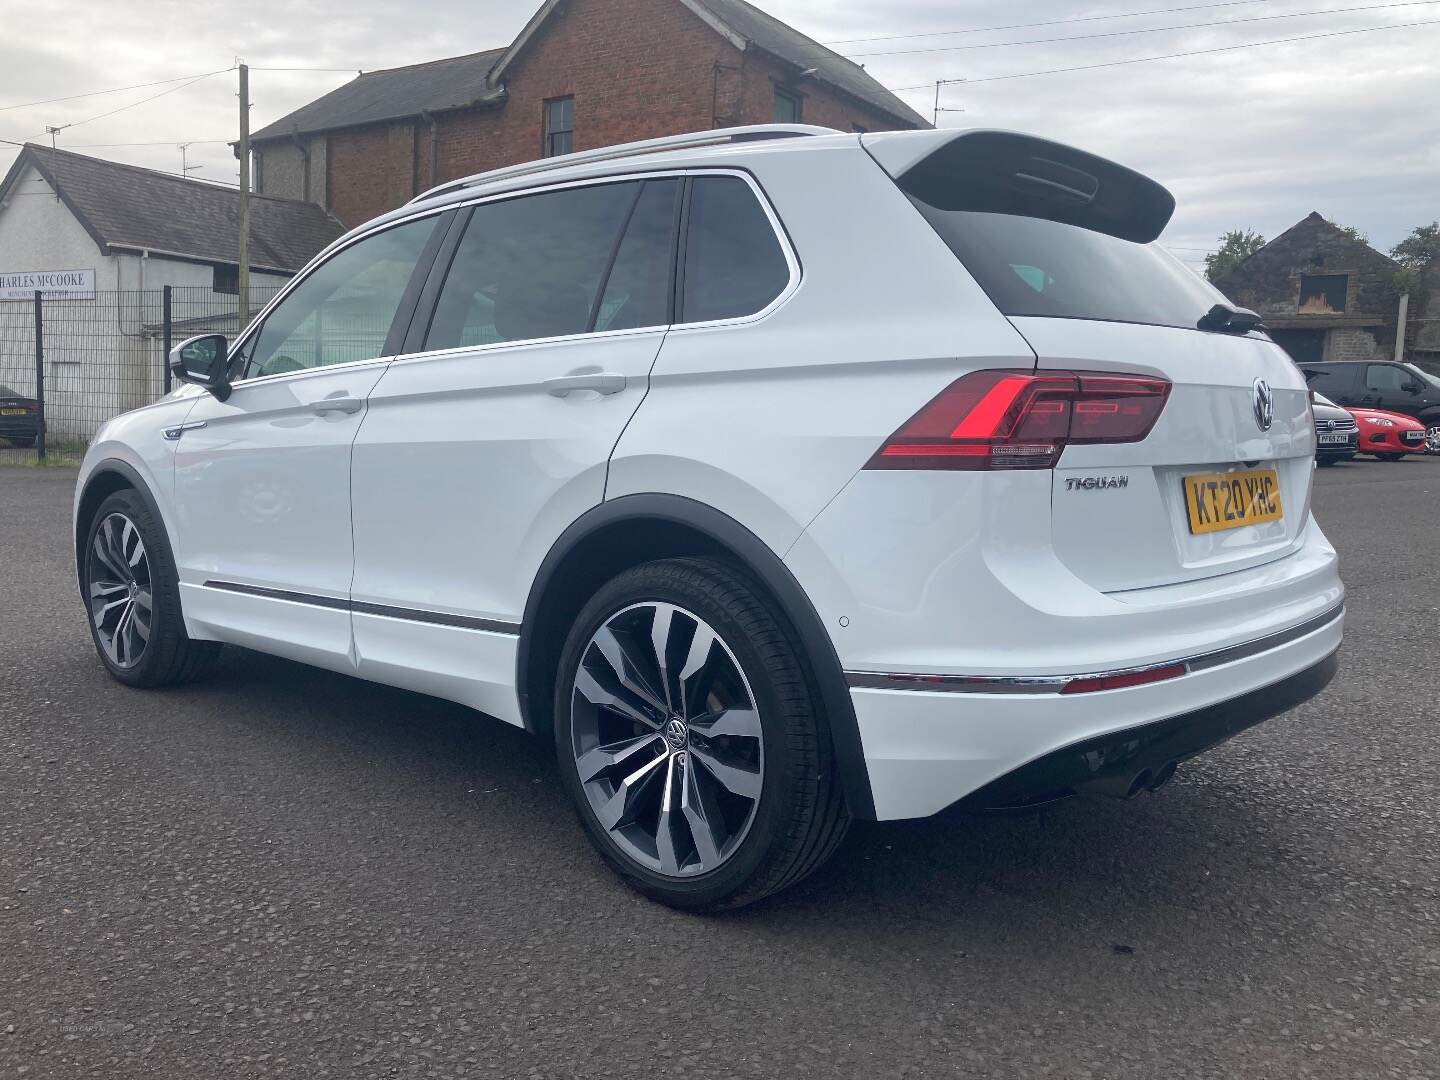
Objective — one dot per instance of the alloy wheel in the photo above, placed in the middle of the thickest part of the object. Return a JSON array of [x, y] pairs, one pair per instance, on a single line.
[[119, 590], [1432, 438], [666, 737]]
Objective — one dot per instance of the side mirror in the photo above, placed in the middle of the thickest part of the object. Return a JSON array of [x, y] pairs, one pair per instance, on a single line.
[[1412, 387], [203, 361]]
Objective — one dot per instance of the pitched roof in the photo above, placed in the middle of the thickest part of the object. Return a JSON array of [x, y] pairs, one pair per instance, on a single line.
[[478, 78], [394, 94], [129, 208], [785, 42]]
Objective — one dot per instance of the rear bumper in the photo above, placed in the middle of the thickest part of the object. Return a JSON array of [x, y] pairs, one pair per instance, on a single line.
[[928, 749]]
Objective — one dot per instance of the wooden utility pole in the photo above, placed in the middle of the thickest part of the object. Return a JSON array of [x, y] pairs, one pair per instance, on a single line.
[[244, 151]]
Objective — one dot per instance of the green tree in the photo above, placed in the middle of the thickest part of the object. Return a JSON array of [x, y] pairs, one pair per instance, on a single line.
[[1236, 246], [1420, 249], [1352, 232]]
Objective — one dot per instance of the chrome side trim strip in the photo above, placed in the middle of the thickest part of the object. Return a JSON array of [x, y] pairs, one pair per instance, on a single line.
[[337, 603], [1054, 684]]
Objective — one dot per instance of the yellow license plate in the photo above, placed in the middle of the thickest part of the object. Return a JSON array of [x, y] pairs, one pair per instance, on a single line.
[[12, 412], [1229, 500]]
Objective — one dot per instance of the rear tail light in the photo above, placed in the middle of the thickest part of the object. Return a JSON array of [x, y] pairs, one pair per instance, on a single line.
[[1090, 684], [1023, 420]]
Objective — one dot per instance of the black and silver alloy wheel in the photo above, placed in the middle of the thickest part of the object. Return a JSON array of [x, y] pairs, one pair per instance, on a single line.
[[1432, 437], [119, 590], [666, 738]]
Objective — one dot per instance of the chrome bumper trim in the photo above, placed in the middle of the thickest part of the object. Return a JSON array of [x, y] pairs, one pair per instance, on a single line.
[[1054, 684]]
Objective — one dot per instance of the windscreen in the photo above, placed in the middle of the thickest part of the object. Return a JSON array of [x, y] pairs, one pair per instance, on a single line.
[[1035, 266]]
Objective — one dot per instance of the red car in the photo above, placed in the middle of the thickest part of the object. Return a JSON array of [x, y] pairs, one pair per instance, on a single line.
[[1387, 435]]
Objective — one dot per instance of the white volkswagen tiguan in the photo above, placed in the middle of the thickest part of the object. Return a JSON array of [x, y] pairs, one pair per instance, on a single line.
[[781, 476]]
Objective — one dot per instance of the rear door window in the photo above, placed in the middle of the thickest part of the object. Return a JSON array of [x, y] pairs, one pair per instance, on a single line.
[[734, 264], [637, 292], [531, 267], [1331, 381]]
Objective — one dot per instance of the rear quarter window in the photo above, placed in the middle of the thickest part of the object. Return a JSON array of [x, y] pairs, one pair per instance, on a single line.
[[734, 264]]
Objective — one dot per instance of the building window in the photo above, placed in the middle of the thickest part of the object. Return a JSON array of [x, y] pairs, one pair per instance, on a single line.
[[1323, 294], [559, 126], [226, 280], [787, 107]]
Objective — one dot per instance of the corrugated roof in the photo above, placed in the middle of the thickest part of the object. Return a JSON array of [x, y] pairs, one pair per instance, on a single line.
[[124, 206], [787, 43], [394, 94]]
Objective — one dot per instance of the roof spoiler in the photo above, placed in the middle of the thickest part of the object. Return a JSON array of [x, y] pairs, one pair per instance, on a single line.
[[1004, 172]]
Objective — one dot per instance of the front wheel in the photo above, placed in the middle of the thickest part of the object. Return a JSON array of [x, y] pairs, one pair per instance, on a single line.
[[132, 597], [690, 738], [1432, 436]]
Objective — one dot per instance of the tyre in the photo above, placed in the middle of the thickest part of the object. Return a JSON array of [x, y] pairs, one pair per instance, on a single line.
[[1432, 436], [690, 737], [1390, 457], [132, 595]]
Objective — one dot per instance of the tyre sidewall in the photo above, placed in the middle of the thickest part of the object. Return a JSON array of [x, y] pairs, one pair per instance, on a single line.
[[167, 625], [647, 584]]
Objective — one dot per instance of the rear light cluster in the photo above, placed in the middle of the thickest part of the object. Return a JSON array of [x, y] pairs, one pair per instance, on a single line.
[[1023, 420]]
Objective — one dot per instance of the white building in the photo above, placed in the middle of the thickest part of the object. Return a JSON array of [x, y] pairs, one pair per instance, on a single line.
[[102, 240]]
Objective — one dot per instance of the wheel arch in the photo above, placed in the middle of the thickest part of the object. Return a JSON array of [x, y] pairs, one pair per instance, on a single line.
[[636, 529], [108, 477]]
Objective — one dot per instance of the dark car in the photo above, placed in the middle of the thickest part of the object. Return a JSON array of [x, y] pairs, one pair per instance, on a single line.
[[1401, 388], [19, 418], [1337, 435]]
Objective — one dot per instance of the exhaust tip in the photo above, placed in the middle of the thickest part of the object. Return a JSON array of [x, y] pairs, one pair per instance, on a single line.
[[1163, 776]]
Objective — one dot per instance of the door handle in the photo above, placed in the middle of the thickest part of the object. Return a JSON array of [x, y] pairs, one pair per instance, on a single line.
[[602, 382], [336, 405]]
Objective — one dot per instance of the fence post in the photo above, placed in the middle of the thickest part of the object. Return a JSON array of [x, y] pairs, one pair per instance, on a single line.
[[40, 375], [165, 339]]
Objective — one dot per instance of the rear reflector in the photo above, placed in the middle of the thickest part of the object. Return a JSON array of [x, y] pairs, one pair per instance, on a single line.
[[1093, 683], [1023, 419]]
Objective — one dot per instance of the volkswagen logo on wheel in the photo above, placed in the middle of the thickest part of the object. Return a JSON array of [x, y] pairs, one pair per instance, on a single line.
[[677, 734], [1264, 405]]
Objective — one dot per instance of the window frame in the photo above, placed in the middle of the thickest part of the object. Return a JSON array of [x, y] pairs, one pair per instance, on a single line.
[[545, 131], [413, 349], [404, 312], [789, 95]]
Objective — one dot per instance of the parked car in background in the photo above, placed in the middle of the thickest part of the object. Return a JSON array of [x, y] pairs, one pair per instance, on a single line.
[[607, 446], [1337, 434], [19, 418], [1397, 388], [1389, 435]]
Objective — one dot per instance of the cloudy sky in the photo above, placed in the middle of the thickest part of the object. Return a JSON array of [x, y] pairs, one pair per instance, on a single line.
[[1253, 137]]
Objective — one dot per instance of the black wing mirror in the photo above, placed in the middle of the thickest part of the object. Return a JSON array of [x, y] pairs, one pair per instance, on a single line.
[[203, 361], [1412, 387]]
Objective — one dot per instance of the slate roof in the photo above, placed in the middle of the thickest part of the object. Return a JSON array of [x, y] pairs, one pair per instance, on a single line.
[[478, 78], [394, 94], [787, 43], [130, 208]]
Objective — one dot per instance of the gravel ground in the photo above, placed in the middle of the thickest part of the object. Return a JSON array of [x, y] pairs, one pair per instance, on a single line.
[[284, 872]]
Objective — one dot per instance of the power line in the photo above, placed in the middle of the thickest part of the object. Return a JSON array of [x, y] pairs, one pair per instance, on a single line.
[[1148, 29], [1173, 56], [1046, 22], [144, 100], [112, 90]]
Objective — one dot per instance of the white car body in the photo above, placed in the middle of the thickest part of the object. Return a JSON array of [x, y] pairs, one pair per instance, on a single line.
[[398, 518]]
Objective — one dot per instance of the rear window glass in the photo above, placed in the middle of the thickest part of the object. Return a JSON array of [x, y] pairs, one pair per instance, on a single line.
[[1033, 266], [734, 265]]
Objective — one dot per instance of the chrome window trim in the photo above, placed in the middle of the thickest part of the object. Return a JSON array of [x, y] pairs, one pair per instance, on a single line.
[[1055, 684], [792, 262]]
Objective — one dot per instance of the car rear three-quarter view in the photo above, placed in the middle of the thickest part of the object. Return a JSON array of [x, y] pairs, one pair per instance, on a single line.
[[780, 477]]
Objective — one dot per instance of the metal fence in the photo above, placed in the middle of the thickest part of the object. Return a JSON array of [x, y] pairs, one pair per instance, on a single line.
[[80, 362]]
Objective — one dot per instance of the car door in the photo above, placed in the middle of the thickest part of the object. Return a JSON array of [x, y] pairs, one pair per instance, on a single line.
[[1385, 388], [528, 355], [262, 479]]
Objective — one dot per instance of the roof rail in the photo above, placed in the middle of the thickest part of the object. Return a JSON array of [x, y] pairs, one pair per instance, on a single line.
[[693, 140]]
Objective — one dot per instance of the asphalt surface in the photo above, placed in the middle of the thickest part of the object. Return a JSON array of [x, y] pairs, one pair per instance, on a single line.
[[284, 872]]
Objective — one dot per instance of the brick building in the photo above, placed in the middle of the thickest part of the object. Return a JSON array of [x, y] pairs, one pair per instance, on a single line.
[[581, 74], [1325, 295]]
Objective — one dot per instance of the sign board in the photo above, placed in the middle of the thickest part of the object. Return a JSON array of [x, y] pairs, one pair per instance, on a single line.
[[53, 284]]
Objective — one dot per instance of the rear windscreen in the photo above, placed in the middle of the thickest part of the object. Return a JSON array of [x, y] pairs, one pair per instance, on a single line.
[[1034, 266]]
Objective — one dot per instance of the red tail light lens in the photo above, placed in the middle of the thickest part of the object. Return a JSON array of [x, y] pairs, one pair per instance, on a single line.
[[1094, 683], [1023, 419]]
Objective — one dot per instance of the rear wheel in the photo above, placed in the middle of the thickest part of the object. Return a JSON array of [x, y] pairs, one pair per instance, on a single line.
[[132, 596], [690, 740]]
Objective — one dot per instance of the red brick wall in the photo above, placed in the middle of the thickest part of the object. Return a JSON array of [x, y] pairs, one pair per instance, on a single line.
[[637, 69]]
